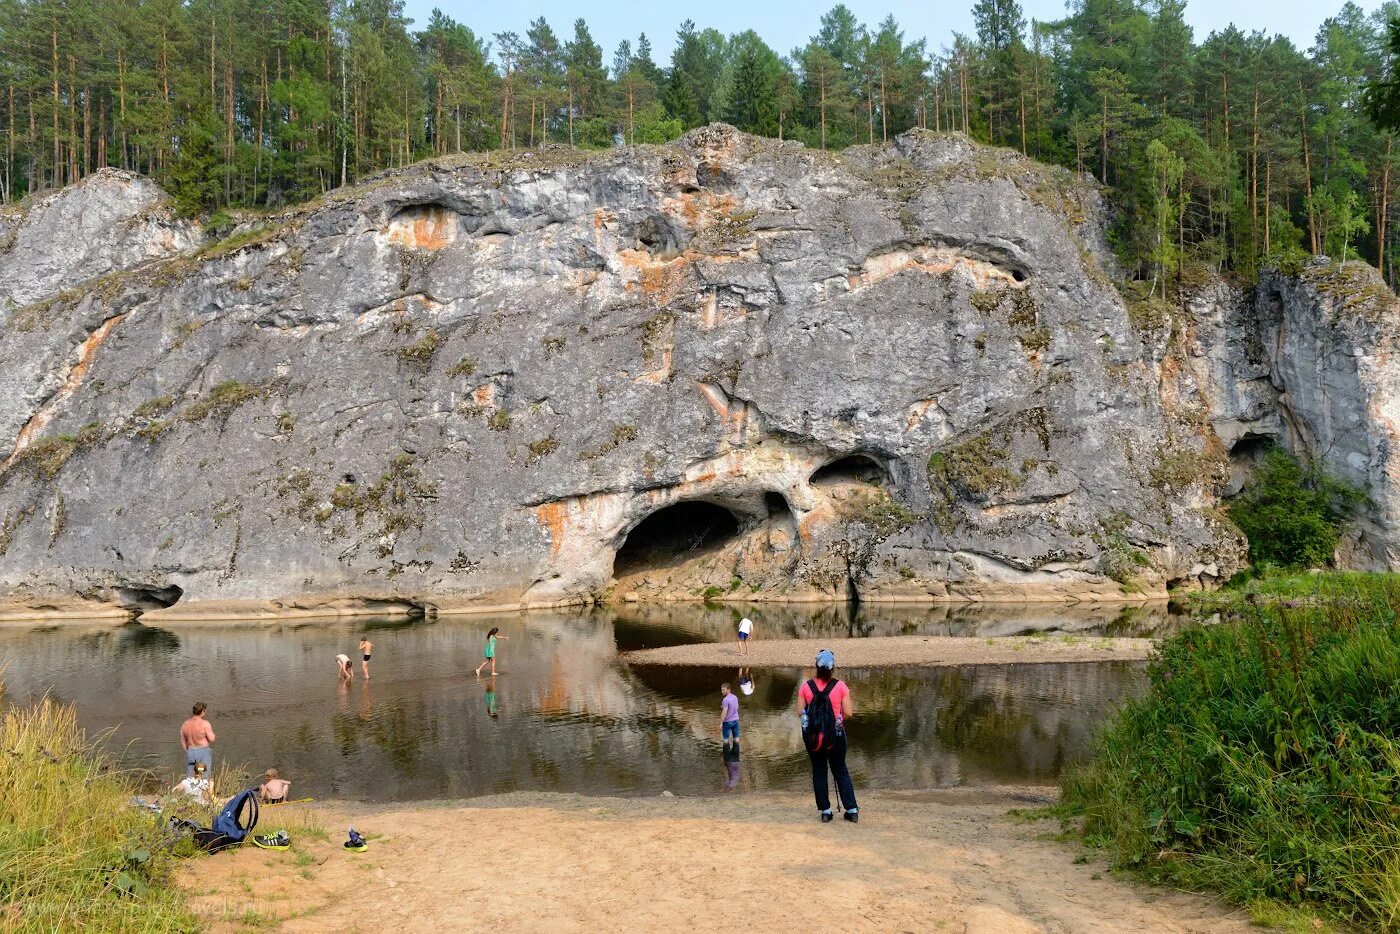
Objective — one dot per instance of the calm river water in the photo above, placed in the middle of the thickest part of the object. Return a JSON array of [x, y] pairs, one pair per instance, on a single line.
[[566, 713]]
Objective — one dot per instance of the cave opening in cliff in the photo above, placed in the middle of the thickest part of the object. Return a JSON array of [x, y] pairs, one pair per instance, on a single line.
[[674, 534], [1246, 454], [854, 468]]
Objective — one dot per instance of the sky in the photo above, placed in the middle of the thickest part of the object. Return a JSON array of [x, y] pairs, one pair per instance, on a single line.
[[785, 24]]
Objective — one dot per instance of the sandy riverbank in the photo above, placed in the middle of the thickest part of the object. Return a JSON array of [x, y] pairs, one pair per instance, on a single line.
[[950, 860], [901, 652]]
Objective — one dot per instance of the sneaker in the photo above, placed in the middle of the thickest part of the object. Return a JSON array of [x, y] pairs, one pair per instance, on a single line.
[[356, 843], [273, 841], [826, 817], [852, 816]]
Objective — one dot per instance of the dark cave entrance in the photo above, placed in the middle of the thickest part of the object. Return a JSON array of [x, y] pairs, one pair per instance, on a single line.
[[674, 534], [854, 468], [1246, 454]]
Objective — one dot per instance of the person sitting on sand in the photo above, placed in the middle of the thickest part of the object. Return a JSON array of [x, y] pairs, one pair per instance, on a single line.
[[745, 631], [825, 705], [728, 715], [366, 649], [196, 786], [491, 638], [274, 788], [342, 662]]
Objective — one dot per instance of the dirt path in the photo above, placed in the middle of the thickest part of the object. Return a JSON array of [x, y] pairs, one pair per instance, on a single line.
[[901, 651], [949, 861]]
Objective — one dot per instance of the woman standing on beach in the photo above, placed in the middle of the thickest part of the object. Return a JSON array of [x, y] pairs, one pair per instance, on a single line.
[[825, 705], [491, 638]]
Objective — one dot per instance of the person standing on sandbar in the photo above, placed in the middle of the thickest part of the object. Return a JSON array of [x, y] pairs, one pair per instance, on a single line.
[[196, 738]]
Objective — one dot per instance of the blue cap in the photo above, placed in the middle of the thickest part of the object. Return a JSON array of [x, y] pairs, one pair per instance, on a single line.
[[825, 659]]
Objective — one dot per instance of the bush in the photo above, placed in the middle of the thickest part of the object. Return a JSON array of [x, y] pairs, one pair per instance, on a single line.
[[1293, 514], [74, 854], [1263, 762]]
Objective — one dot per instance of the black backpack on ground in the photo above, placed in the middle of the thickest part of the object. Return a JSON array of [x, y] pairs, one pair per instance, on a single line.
[[821, 731]]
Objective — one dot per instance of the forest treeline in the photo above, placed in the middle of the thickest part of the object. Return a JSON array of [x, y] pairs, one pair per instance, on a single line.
[[1234, 152]]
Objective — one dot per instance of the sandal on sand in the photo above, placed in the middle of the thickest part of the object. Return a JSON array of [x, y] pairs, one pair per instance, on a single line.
[[356, 843], [273, 841]]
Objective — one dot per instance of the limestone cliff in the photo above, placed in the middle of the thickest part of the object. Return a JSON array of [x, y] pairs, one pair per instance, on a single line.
[[725, 367]]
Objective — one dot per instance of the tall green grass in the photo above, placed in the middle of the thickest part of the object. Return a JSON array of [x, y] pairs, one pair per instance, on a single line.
[[1263, 762], [74, 854], [1319, 587]]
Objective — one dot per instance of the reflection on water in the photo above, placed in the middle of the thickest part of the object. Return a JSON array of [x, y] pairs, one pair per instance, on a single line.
[[646, 625], [565, 713]]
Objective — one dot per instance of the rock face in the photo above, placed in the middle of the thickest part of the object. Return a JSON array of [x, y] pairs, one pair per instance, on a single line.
[[1312, 362], [112, 220], [723, 367]]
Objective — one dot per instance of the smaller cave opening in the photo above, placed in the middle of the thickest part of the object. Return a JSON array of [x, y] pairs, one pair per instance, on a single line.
[[1245, 456], [854, 468], [676, 533], [1019, 275], [1251, 447], [142, 599], [655, 235], [776, 505]]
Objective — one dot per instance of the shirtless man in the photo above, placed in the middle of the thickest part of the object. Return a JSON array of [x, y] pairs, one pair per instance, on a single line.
[[196, 736], [366, 648]]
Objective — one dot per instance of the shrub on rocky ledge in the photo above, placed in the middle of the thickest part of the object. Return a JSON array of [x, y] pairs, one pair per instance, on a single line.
[[1292, 513]]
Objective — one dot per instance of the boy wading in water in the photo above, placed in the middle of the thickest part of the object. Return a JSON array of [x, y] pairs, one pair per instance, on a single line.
[[366, 649], [825, 705], [490, 658], [728, 715]]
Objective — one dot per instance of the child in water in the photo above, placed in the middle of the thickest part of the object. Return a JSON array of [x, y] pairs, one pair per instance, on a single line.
[[274, 788], [491, 638], [366, 647]]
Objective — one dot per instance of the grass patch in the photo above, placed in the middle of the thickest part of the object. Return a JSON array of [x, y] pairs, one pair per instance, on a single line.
[[420, 352], [1275, 585], [1263, 762], [464, 367], [74, 855], [156, 406], [538, 450], [222, 400], [45, 457]]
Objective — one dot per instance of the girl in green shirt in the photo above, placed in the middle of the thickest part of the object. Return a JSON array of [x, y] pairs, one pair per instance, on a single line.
[[491, 638]]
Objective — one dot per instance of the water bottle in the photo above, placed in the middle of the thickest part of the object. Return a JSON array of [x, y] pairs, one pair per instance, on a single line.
[[804, 721]]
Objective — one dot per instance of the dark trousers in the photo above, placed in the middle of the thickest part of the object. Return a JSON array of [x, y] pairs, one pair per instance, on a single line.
[[834, 759]]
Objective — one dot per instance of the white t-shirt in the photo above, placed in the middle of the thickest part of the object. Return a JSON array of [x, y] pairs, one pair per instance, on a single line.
[[746, 625], [194, 787], [746, 685]]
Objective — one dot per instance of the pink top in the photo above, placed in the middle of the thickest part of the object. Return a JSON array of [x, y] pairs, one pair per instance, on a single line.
[[838, 693]]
